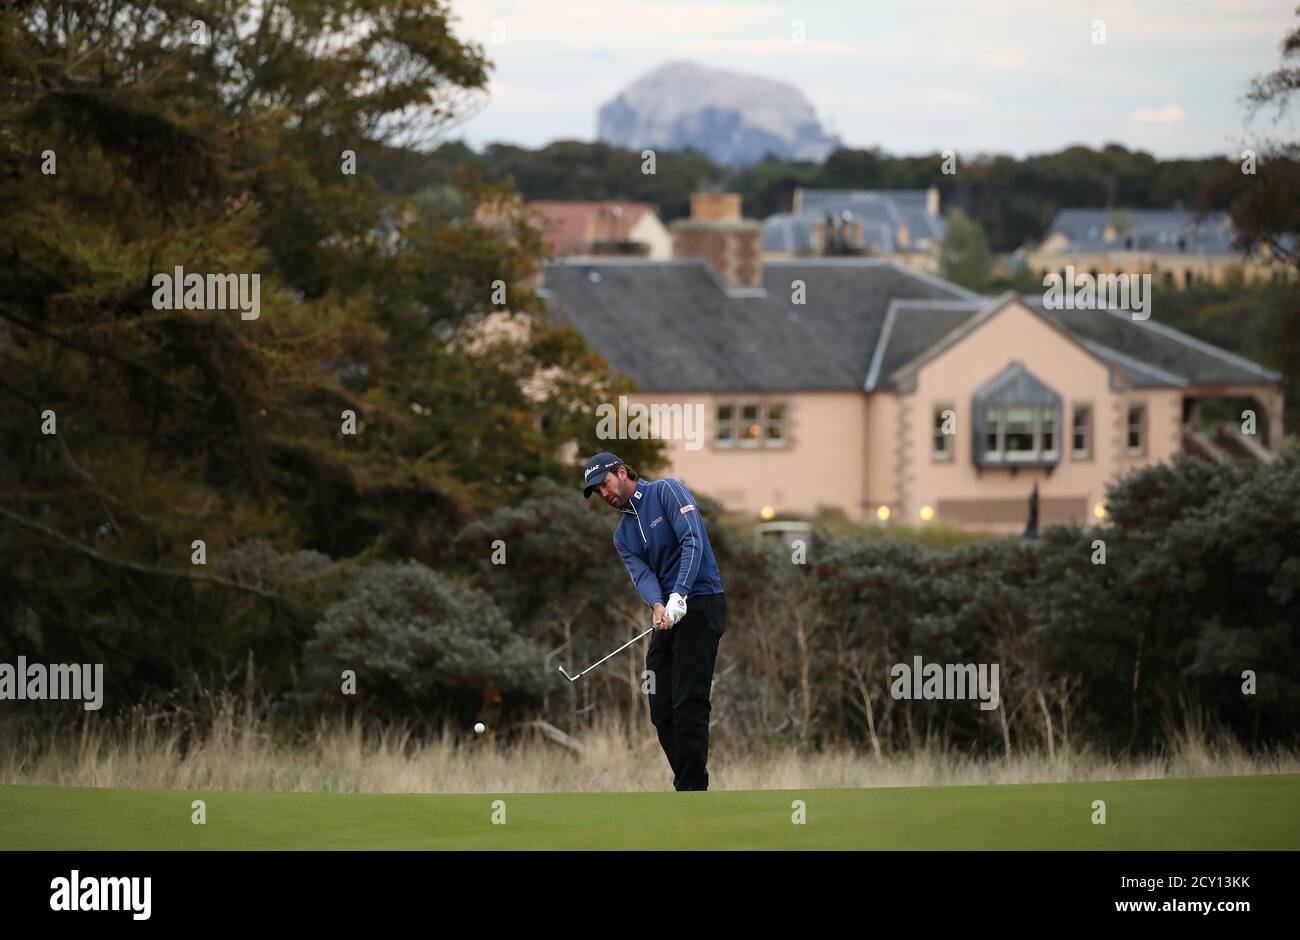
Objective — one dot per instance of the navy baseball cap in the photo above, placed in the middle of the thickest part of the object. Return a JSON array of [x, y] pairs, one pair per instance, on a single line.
[[596, 469]]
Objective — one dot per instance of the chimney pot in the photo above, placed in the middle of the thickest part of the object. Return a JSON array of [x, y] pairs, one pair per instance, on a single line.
[[715, 207]]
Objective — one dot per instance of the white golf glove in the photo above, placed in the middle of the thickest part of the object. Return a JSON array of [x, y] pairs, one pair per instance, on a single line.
[[675, 609]]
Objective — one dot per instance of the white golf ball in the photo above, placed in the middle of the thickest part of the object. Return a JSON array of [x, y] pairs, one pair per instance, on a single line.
[[479, 728]]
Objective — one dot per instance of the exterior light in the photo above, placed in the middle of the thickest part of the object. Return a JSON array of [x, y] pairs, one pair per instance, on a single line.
[[927, 513], [1099, 510], [767, 512], [883, 513]]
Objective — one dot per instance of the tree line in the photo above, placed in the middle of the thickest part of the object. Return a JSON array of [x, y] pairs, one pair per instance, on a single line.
[[320, 489]]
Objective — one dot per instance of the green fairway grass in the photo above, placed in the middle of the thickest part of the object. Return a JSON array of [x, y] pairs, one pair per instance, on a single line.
[[1260, 812]]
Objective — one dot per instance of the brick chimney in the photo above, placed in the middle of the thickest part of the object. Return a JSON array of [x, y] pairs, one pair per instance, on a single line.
[[716, 231]]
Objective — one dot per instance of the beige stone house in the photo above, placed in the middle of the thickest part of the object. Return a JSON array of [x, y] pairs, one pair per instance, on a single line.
[[867, 386], [1176, 247]]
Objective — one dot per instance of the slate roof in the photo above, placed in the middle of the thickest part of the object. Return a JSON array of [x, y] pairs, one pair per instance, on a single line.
[[879, 211], [1016, 385], [1153, 354], [1165, 230], [677, 326]]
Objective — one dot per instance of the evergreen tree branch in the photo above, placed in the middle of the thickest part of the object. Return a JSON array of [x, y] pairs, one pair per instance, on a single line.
[[89, 552]]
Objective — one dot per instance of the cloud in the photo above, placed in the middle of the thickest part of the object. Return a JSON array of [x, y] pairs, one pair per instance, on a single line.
[[1169, 114], [811, 49], [997, 61], [955, 99], [507, 93], [613, 24]]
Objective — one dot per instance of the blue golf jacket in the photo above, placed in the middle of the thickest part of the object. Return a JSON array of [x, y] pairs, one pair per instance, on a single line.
[[663, 543]]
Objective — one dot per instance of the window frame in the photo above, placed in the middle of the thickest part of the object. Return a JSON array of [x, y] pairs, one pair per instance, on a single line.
[[782, 422], [949, 452], [737, 424], [1085, 452], [996, 422], [1140, 450], [1044, 412], [729, 423], [743, 424], [997, 425], [1034, 451]]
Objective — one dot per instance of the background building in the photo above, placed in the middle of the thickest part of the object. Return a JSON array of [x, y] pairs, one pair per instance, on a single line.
[[1176, 247], [866, 386], [903, 225], [602, 228]]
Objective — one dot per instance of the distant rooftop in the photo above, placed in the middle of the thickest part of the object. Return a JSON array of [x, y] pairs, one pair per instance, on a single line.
[[1162, 230], [565, 223], [882, 212]]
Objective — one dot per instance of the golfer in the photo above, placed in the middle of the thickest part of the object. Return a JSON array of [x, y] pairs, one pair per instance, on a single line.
[[662, 541]]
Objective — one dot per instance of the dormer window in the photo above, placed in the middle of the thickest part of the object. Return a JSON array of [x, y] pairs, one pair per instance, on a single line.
[[1017, 420]]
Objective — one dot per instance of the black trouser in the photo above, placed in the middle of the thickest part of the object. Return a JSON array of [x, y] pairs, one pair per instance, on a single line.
[[681, 660]]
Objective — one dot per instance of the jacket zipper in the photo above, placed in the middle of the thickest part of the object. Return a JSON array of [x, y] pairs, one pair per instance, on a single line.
[[644, 541]]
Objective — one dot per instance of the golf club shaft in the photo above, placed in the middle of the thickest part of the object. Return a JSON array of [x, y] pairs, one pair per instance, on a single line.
[[617, 651]]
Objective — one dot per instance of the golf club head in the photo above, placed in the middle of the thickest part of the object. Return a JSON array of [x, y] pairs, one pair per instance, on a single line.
[[566, 675]]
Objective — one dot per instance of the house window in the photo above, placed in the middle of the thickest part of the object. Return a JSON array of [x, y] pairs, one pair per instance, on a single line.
[[1081, 430], [724, 426], [1021, 433], [1137, 421], [1187, 278], [942, 441], [993, 433], [751, 428], [1018, 438], [775, 425], [749, 424], [1017, 420]]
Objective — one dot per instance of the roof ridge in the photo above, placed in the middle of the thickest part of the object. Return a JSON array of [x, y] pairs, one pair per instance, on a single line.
[[882, 341], [934, 280], [922, 303]]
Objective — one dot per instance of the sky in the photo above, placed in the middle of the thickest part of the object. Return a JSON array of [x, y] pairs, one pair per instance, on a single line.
[[1013, 76]]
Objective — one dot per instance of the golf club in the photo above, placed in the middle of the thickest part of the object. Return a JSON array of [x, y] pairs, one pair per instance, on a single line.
[[599, 661]]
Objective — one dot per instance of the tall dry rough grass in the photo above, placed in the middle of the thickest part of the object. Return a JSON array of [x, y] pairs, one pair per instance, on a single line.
[[235, 747]]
